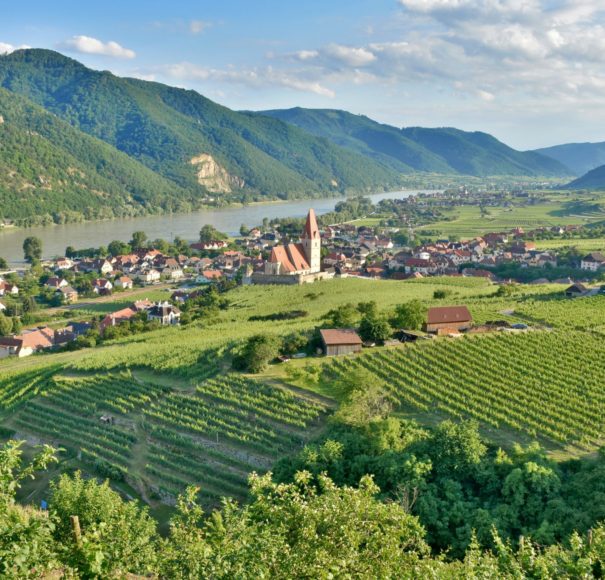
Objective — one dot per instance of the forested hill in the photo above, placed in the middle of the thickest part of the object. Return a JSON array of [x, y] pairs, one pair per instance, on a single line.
[[185, 137], [441, 150], [579, 157], [594, 179], [51, 171]]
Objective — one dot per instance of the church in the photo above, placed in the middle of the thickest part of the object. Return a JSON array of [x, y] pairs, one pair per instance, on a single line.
[[295, 263]]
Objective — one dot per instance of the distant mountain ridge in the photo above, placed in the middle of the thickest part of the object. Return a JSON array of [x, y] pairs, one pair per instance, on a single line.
[[594, 179], [187, 139], [440, 150], [579, 157], [82, 144]]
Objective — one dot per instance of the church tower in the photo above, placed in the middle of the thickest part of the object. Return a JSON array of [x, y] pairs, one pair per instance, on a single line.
[[311, 242]]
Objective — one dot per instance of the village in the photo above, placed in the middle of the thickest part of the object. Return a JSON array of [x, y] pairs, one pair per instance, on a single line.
[[261, 256]]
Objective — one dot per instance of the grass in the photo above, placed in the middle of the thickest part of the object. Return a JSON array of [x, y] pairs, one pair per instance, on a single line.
[[554, 209]]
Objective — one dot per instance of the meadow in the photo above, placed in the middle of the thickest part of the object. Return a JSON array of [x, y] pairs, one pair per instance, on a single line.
[[554, 209]]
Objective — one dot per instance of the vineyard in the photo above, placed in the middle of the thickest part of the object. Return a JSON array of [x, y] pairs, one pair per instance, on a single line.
[[546, 384], [212, 434], [222, 431]]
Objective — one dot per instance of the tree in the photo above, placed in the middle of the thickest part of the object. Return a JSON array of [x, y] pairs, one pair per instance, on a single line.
[[345, 316], [70, 252], [374, 328], [243, 230], [410, 315], [258, 351], [6, 325], [369, 308], [293, 343], [210, 234], [138, 240], [32, 249], [3, 264], [117, 248]]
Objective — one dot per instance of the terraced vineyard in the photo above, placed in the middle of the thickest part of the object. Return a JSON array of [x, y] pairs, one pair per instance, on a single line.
[[548, 384], [162, 438], [227, 428]]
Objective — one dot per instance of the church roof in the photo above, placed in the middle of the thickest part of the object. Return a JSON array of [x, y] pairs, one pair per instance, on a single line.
[[292, 257], [311, 229]]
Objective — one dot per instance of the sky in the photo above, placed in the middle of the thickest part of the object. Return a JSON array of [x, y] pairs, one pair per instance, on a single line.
[[531, 72]]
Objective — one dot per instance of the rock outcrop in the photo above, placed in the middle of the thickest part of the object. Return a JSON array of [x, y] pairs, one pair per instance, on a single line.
[[214, 177]]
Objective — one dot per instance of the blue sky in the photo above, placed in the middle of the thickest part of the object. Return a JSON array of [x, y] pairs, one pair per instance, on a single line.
[[531, 72]]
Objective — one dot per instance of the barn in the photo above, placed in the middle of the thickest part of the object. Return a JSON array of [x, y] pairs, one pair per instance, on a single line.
[[446, 319], [340, 341]]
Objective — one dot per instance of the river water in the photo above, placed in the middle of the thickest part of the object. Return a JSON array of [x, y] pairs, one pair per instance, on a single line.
[[56, 238]]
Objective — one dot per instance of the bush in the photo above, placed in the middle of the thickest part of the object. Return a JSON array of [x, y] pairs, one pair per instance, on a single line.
[[257, 353]]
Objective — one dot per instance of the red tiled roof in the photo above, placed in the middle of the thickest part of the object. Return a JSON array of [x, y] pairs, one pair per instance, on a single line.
[[292, 257], [445, 314], [311, 229], [333, 336]]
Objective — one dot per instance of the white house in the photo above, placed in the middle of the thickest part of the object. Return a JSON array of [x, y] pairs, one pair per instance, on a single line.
[[593, 262]]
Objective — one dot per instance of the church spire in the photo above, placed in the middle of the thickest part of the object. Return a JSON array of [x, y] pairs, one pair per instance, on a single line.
[[311, 229]]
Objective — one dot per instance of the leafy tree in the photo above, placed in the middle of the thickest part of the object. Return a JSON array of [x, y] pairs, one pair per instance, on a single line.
[[345, 316], [294, 342], [6, 325], [70, 252], [244, 230], [138, 240], [209, 234], [32, 249], [117, 536], [374, 328], [117, 248], [3, 264], [258, 351], [367, 308], [27, 547], [410, 315]]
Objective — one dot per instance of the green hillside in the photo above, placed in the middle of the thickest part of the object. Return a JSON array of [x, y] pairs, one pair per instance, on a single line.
[[51, 171], [579, 157], [594, 179], [442, 150], [187, 138]]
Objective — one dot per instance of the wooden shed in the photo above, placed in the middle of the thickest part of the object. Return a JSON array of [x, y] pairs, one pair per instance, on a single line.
[[340, 341], [447, 319]]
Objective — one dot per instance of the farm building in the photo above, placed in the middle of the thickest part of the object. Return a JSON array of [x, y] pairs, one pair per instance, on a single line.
[[340, 341], [577, 289], [445, 319]]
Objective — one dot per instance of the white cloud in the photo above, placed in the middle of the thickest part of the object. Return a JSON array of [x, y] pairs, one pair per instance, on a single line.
[[199, 26], [349, 55], [89, 45], [258, 78], [6, 48]]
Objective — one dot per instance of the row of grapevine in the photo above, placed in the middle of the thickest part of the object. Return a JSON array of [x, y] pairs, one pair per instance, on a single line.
[[544, 383]]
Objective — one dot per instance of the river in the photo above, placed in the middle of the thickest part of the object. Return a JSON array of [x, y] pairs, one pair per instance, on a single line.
[[56, 238]]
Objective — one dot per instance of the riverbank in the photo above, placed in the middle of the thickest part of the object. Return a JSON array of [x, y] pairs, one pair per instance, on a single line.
[[56, 237]]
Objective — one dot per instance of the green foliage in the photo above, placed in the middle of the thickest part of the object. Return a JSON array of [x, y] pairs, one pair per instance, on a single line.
[[32, 249], [411, 315], [138, 240], [374, 328], [257, 353], [6, 325], [209, 234], [117, 536], [344, 316]]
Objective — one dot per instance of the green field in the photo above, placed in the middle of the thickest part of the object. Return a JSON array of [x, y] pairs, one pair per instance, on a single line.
[[582, 244], [553, 210], [182, 416]]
